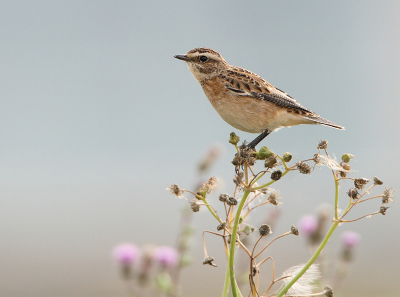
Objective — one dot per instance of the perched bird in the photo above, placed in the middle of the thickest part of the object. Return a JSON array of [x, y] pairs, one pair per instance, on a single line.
[[245, 100]]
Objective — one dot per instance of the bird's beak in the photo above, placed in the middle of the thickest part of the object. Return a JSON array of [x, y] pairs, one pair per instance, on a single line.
[[182, 57]]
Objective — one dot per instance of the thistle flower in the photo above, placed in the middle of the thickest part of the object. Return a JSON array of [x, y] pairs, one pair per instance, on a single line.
[[305, 284], [308, 225], [126, 254], [350, 239], [174, 189], [303, 167], [166, 256]]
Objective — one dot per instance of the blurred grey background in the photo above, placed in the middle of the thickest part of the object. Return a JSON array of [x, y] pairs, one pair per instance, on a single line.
[[97, 118]]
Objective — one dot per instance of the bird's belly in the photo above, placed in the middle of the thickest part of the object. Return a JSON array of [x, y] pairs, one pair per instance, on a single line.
[[249, 114]]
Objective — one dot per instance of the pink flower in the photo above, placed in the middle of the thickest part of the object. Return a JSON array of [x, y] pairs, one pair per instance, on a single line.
[[126, 254], [308, 225], [166, 256], [350, 238]]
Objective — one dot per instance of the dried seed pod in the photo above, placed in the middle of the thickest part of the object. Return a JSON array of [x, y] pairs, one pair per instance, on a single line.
[[323, 144], [231, 201], [303, 167], [223, 197], [221, 226], [353, 193], [209, 261], [377, 181], [194, 205], [360, 183], [294, 230], [265, 230], [271, 161], [276, 175]]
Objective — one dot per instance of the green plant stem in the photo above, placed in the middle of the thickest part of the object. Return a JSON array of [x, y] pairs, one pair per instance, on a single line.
[[323, 243], [311, 261], [233, 244], [226, 284], [211, 210], [336, 196]]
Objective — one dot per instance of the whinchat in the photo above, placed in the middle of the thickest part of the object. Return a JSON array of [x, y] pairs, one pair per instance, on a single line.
[[245, 100]]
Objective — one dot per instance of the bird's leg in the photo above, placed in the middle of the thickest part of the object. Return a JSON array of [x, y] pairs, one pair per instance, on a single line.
[[258, 139]]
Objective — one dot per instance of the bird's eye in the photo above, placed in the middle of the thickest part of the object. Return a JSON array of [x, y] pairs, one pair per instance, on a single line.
[[203, 59]]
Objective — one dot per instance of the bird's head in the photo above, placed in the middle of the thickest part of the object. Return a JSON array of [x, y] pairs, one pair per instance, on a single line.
[[204, 63]]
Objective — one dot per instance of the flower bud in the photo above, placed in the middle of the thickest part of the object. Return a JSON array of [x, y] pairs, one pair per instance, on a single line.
[[234, 139], [265, 230], [264, 153], [346, 158], [276, 175], [248, 230], [287, 157]]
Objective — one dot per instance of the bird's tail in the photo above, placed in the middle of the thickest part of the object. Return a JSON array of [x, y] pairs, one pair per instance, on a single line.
[[320, 120]]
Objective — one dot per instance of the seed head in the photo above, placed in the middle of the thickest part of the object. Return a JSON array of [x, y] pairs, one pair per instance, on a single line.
[[287, 157], [223, 197], [377, 181], [237, 160], [317, 159], [353, 193], [328, 291], [210, 184], [231, 201], [276, 175], [294, 230], [194, 205], [209, 261], [221, 226], [387, 196], [238, 178], [360, 183], [303, 167], [323, 144], [233, 138], [265, 230], [251, 161], [383, 209], [273, 198], [271, 161], [174, 189]]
